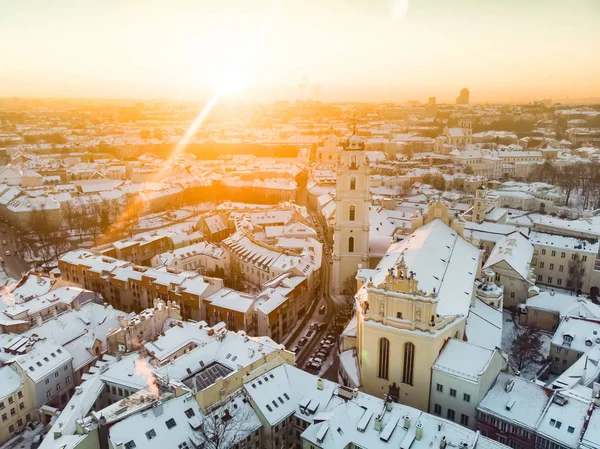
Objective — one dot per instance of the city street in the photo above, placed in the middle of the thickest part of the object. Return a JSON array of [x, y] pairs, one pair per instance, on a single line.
[[13, 263], [334, 306]]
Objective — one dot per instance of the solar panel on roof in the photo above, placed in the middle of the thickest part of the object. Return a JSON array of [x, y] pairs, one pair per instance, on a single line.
[[210, 374]]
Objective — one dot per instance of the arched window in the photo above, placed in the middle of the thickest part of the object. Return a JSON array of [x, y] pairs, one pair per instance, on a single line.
[[351, 245], [409, 363], [384, 358], [352, 183], [351, 213]]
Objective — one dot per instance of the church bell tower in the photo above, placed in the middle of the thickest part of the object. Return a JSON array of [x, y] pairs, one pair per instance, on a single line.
[[351, 237]]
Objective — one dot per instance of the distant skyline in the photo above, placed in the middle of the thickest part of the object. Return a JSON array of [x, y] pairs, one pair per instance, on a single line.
[[354, 50]]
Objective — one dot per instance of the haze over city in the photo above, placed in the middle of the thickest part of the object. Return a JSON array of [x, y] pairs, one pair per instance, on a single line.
[[299, 224], [354, 50]]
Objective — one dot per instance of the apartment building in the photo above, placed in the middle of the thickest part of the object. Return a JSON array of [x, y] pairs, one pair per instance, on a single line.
[[574, 337], [47, 373], [461, 376], [17, 407], [564, 262]]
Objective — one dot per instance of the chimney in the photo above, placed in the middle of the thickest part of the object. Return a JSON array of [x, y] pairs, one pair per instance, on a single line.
[[320, 384], [378, 423], [355, 393], [509, 386], [55, 313], [38, 320], [157, 408], [443, 443], [388, 405], [406, 421], [418, 431]]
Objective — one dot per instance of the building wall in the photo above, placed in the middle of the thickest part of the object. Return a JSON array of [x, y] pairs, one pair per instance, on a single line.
[[548, 261], [562, 357], [515, 287], [547, 320], [476, 391], [16, 410], [507, 433], [346, 259], [427, 349]]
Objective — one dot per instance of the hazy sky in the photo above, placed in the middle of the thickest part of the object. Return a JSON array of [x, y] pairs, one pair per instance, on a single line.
[[354, 49]]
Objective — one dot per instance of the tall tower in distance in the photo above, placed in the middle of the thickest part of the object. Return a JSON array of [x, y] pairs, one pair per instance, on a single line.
[[480, 205], [463, 97], [351, 233]]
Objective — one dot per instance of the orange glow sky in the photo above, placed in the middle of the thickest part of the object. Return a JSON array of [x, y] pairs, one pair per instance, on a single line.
[[377, 50]]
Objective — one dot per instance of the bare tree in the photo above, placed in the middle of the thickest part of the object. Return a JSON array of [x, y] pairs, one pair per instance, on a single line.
[[228, 424], [575, 273], [349, 286], [49, 240], [568, 181], [526, 348], [69, 213]]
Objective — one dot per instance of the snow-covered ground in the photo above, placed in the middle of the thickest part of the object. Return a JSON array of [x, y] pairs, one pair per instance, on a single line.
[[23, 440], [509, 329]]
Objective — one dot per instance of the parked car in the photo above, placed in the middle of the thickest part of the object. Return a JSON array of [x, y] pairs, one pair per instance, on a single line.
[[322, 310], [302, 341], [296, 349], [313, 366], [310, 333], [321, 326], [314, 326], [321, 353], [7, 253]]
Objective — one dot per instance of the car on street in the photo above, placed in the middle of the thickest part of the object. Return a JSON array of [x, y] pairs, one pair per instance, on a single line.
[[296, 349], [322, 310], [7, 253], [310, 333], [315, 360], [4, 242], [313, 366], [314, 326], [321, 353], [302, 341], [321, 326]]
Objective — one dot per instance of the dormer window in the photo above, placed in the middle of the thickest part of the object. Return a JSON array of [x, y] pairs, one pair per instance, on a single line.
[[567, 339]]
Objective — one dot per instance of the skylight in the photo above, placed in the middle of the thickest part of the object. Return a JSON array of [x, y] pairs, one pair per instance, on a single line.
[[170, 423]]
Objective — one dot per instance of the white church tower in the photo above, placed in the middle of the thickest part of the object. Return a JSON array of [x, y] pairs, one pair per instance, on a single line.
[[351, 238]]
